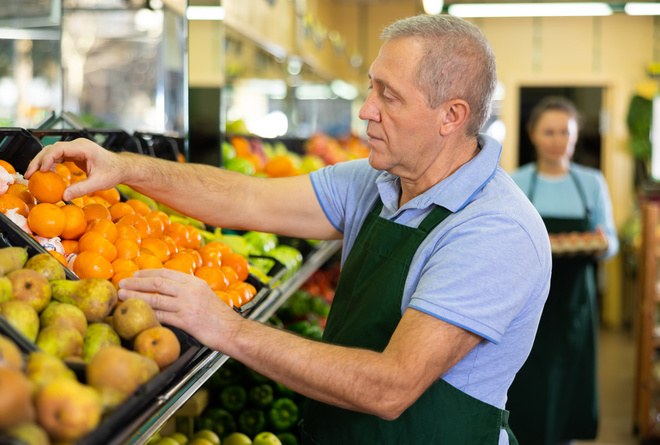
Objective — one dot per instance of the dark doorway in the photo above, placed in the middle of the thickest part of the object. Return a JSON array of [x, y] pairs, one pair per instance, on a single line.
[[588, 101]]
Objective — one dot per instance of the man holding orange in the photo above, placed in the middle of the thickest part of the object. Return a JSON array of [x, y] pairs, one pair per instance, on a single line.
[[446, 265]]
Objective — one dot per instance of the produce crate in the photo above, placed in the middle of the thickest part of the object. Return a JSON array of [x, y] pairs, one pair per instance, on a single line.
[[115, 140]]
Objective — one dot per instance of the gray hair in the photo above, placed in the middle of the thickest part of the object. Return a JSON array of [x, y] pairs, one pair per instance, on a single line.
[[458, 63]]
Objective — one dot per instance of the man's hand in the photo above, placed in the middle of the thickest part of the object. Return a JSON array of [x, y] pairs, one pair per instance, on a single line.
[[104, 168]]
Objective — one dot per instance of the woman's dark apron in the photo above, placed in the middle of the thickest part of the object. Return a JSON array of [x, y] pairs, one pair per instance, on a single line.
[[554, 397], [364, 314]]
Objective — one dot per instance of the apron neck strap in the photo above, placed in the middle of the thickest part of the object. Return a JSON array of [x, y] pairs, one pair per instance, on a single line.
[[431, 220]]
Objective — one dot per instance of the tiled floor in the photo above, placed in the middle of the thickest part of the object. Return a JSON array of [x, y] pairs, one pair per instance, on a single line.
[[616, 379]]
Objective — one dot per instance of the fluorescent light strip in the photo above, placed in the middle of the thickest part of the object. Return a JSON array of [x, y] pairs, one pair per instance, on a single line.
[[205, 13], [635, 8], [529, 9]]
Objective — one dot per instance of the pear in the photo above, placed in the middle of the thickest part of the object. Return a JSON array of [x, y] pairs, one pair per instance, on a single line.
[[159, 343], [16, 401], [30, 286], [57, 312], [96, 297], [42, 367], [29, 433], [61, 340], [68, 409], [10, 354], [132, 317], [98, 336], [47, 265], [6, 290], [22, 317], [12, 258], [117, 373]]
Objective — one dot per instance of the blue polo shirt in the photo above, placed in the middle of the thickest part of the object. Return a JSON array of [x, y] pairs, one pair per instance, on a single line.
[[485, 268]]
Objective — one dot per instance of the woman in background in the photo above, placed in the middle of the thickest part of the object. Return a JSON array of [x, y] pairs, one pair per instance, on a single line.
[[554, 397]]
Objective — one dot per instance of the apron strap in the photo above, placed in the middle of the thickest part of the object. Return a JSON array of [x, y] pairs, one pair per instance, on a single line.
[[434, 217], [578, 186]]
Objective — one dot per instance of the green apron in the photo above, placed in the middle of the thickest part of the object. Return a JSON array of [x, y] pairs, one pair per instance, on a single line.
[[365, 312], [554, 398]]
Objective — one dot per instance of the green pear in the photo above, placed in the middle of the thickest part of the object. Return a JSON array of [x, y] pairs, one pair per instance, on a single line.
[[6, 290], [10, 354], [67, 409], [99, 336], [47, 265], [16, 401], [30, 286], [42, 367], [22, 316], [61, 340], [57, 312], [96, 297], [117, 373], [29, 433], [132, 317], [12, 258]]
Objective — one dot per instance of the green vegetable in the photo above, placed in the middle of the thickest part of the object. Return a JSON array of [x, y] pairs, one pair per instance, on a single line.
[[288, 438], [228, 374], [283, 414], [233, 398], [223, 423], [261, 396], [252, 422]]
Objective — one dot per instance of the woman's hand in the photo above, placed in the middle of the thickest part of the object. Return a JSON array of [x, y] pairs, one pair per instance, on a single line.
[[104, 168], [184, 301]]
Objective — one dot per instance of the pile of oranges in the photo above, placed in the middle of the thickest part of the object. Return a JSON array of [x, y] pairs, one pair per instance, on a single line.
[[105, 237]]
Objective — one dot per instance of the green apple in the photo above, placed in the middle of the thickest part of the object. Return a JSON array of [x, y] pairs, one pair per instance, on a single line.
[[266, 438], [209, 435], [237, 439]]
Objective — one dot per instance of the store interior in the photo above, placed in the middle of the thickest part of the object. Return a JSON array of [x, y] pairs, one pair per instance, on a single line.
[[286, 71]]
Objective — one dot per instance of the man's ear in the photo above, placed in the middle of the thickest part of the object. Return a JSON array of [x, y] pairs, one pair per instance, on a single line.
[[456, 112]]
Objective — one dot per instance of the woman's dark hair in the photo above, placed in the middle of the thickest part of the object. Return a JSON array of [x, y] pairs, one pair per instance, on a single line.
[[552, 103]]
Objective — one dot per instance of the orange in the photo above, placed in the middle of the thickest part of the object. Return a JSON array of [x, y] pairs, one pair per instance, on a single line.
[[146, 260], [158, 247], [224, 296], [120, 209], [64, 173], [124, 265], [118, 276], [70, 246], [91, 264], [46, 186], [46, 220], [156, 226], [95, 242], [99, 200], [194, 236], [126, 231], [230, 273], [140, 207], [7, 166], [236, 298], [187, 257], [8, 202], [138, 222], [21, 191], [246, 290], [164, 217], [77, 174], [170, 243], [127, 248], [210, 256], [95, 211], [181, 264], [220, 246], [237, 262], [195, 255], [105, 227], [76, 224], [61, 258], [111, 196], [280, 166], [213, 277], [178, 232]]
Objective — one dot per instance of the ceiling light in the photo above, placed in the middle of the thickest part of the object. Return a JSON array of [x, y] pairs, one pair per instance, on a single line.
[[205, 13], [529, 9], [635, 8], [432, 6]]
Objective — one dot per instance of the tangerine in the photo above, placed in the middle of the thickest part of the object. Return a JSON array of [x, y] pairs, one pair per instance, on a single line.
[[120, 209], [219, 245], [210, 255], [195, 255], [140, 207], [22, 192], [147, 260], [59, 257], [239, 263], [164, 217], [46, 186], [230, 273], [158, 247], [111, 196], [90, 264], [280, 166], [138, 222], [8, 202], [181, 264], [64, 173], [194, 237], [76, 224], [47, 220], [105, 227], [247, 290], [95, 211], [236, 298], [96, 242], [7, 166], [70, 246], [213, 277], [170, 243], [126, 231], [224, 296], [127, 248], [118, 276], [178, 232], [156, 226], [124, 265]]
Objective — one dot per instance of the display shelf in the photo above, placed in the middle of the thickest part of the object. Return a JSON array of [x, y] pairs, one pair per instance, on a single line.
[[208, 362]]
